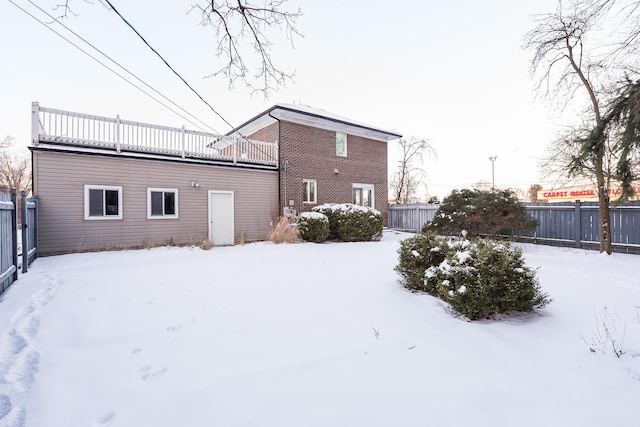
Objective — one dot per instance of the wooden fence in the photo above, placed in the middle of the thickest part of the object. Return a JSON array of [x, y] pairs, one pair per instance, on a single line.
[[575, 224], [578, 224], [12, 245], [411, 217]]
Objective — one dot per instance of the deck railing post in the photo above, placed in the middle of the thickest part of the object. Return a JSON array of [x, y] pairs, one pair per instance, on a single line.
[[577, 224], [35, 123], [183, 141], [118, 133], [235, 145]]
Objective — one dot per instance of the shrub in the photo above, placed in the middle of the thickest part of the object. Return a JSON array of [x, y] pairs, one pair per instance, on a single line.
[[416, 255], [490, 213], [478, 279], [333, 214], [313, 227], [352, 223], [285, 231]]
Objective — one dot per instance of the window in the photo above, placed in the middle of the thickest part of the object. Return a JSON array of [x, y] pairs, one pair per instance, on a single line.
[[309, 191], [102, 202], [341, 144], [363, 195], [162, 203]]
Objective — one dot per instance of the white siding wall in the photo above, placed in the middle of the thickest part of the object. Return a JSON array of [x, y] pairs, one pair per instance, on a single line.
[[59, 180]]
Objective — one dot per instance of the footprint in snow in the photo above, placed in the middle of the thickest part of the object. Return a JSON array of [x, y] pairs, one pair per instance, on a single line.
[[5, 406], [136, 350], [13, 417], [23, 372], [105, 420], [173, 328], [146, 373], [29, 326]]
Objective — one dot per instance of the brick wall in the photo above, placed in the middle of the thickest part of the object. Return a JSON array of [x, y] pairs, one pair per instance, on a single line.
[[266, 134], [310, 153]]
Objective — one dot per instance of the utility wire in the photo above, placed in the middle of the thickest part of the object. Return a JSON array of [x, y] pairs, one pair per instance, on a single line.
[[166, 63], [181, 78], [121, 66], [106, 66]]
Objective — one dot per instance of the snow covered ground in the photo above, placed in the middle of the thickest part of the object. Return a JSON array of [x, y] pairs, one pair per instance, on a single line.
[[310, 335]]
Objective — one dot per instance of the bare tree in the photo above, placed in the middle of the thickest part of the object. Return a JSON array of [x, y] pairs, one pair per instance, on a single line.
[[563, 66], [406, 179], [15, 170], [243, 31], [236, 20], [533, 193]]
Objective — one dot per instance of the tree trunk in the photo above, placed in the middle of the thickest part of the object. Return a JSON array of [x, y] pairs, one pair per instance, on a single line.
[[603, 211]]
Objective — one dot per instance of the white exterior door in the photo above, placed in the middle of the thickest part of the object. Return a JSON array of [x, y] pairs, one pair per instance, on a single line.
[[221, 212]]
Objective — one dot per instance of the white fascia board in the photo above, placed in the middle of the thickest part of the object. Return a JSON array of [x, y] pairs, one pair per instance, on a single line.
[[314, 117], [332, 124]]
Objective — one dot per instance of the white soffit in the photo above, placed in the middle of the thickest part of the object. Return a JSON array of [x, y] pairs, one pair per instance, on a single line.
[[309, 116]]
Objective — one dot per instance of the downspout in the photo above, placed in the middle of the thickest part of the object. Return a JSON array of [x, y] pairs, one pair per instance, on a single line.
[[282, 166]]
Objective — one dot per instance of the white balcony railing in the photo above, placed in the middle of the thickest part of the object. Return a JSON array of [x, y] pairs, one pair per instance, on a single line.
[[65, 127]]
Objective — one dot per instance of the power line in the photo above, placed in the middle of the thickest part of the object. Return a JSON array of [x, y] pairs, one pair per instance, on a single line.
[[166, 63], [180, 77], [105, 65], [121, 66]]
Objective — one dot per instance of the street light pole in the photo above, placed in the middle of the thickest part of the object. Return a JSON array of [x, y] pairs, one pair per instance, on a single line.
[[493, 181]]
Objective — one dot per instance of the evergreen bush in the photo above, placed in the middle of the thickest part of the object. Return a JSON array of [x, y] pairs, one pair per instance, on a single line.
[[478, 279], [313, 227], [489, 213], [333, 213], [352, 223], [416, 255]]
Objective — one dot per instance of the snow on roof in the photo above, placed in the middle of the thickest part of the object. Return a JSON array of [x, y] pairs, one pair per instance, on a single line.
[[316, 117]]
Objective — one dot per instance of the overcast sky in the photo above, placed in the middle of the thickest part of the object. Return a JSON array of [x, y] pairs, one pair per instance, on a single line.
[[451, 72]]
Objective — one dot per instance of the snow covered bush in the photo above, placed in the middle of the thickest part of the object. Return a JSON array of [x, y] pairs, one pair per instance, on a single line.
[[490, 213], [313, 227], [416, 255], [477, 279], [352, 223]]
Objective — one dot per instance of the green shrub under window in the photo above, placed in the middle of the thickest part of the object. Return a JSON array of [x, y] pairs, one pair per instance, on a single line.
[[313, 227], [352, 223]]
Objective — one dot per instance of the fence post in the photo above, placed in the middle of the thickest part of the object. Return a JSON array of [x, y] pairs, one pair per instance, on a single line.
[[577, 224], [34, 226], [35, 123], [14, 232], [25, 234]]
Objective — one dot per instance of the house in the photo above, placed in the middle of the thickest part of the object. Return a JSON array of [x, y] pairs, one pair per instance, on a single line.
[[106, 183], [324, 158]]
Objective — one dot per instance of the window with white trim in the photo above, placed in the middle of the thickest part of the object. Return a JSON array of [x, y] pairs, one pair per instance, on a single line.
[[102, 202], [341, 144], [309, 191], [162, 203], [363, 195]]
